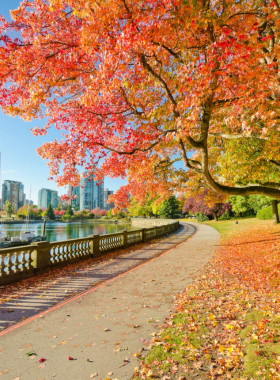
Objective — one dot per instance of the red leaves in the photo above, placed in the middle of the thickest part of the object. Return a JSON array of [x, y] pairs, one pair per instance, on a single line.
[[151, 73], [70, 358], [42, 360]]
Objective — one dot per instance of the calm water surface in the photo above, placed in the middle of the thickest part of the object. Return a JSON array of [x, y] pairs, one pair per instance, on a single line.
[[64, 231]]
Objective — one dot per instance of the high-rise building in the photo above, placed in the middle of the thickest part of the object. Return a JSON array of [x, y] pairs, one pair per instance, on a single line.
[[13, 191], [107, 206], [74, 195], [46, 197], [76, 199], [91, 194]]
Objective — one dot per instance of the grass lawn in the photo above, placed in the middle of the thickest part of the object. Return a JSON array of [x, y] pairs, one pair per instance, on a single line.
[[228, 226], [225, 226], [227, 323]]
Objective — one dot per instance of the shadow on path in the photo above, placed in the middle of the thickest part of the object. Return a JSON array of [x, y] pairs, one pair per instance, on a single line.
[[29, 297]]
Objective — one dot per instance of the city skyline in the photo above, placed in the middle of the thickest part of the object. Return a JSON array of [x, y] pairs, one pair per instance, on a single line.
[[89, 195]]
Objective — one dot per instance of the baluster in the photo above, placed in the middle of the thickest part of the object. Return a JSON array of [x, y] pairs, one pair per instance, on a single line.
[[65, 251], [57, 253], [16, 263], [54, 254], [68, 251], [27, 262], [60, 253], [77, 250], [9, 264]]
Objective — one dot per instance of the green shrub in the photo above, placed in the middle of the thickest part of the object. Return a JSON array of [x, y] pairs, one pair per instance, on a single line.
[[266, 213], [225, 216], [201, 217]]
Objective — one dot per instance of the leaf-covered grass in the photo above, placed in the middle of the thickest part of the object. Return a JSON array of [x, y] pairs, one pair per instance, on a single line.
[[227, 324]]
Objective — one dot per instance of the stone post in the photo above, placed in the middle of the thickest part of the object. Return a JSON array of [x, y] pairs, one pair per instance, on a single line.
[[144, 239], [125, 239], [40, 255], [158, 234], [95, 251]]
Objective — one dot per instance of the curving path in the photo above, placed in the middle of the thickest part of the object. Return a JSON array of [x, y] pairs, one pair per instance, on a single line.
[[36, 294], [104, 326]]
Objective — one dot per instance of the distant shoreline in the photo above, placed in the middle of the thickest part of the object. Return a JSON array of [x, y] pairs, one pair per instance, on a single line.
[[20, 221], [60, 221]]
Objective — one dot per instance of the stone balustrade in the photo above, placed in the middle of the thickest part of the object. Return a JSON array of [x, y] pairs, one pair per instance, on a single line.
[[22, 262]]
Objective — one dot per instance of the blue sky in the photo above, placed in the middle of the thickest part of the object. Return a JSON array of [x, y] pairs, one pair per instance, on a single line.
[[18, 146]]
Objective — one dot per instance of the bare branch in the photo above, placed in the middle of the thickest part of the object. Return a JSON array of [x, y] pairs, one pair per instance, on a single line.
[[132, 107], [133, 150], [223, 101], [170, 51]]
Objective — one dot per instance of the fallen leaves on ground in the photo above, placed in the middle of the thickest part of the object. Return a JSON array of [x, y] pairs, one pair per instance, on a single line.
[[226, 324]]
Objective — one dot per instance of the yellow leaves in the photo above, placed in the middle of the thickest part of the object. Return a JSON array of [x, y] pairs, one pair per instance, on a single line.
[[222, 348], [229, 327], [255, 337]]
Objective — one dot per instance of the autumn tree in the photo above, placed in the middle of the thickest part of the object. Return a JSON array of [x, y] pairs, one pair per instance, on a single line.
[[96, 211], [169, 208], [206, 203], [138, 86], [138, 208], [8, 208]]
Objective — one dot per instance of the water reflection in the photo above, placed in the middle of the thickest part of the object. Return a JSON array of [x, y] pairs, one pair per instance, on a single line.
[[64, 231]]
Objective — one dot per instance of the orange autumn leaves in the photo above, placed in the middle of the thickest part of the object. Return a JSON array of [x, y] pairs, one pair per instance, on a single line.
[[127, 83], [227, 323]]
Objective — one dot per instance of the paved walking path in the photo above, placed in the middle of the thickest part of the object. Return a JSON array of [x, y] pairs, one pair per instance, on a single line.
[[28, 297], [102, 328]]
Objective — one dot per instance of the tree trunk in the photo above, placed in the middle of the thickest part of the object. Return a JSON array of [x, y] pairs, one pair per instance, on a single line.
[[216, 216], [275, 212]]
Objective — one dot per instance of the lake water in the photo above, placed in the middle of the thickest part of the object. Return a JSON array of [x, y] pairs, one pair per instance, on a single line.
[[64, 231]]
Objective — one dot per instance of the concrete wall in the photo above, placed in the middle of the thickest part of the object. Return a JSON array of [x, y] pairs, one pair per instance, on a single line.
[[152, 221]]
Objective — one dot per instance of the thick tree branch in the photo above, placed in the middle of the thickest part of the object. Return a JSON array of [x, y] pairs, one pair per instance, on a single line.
[[170, 51], [164, 164], [159, 79], [275, 164], [187, 161]]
